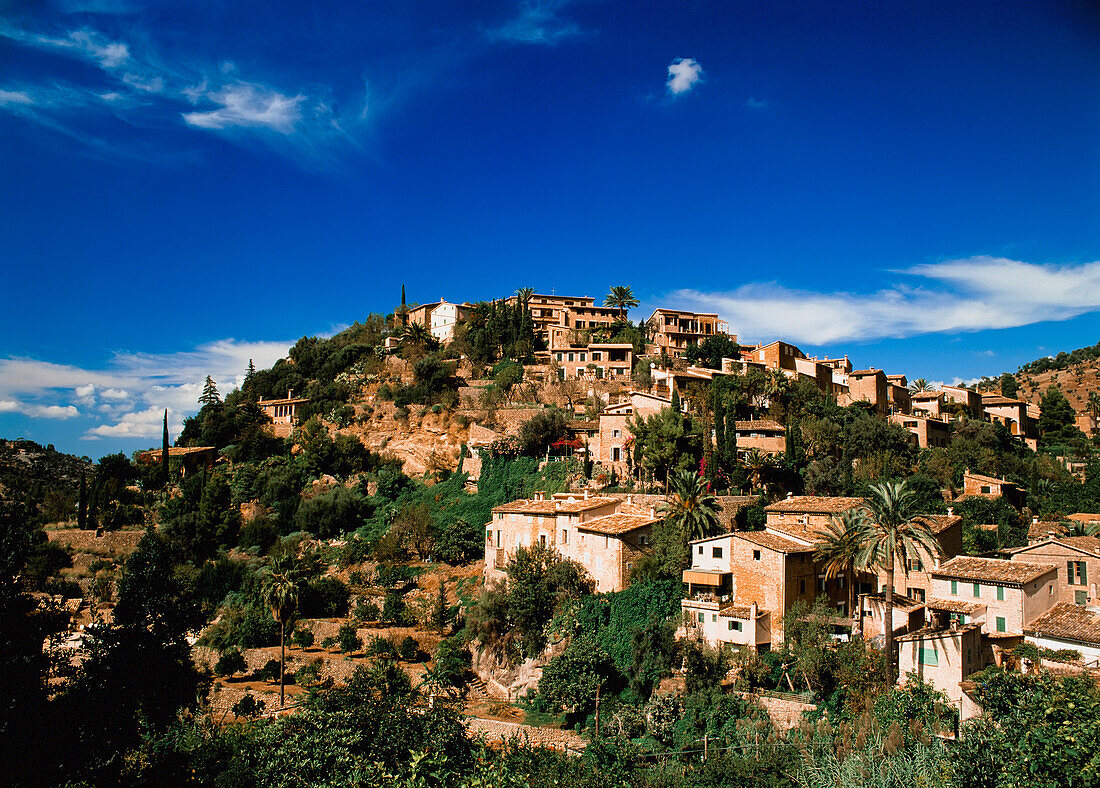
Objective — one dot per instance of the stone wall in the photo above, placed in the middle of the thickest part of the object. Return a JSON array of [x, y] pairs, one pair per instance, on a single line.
[[108, 543], [785, 712]]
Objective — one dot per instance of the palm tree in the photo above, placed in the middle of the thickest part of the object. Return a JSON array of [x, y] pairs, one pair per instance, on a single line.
[[280, 591], [524, 294], [919, 385], [837, 550], [1078, 528], [892, 531], [690, 506], [621, 296], [757, 463]]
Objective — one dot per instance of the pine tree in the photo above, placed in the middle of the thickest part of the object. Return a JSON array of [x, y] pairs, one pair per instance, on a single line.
[[164, 451], [675, 404], [210, 394], [250, 372]]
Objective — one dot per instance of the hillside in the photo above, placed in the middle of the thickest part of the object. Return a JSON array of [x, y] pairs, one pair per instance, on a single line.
[[25, 466], [1075, 373]]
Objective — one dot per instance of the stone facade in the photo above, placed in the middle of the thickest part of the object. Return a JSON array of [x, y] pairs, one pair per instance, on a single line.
[[595, 361], [942, 658], [930, 433], [1004, 601], [1077, 562], [675, 330]]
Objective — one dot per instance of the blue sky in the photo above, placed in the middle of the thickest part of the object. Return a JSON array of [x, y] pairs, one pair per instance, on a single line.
[[190, 185]]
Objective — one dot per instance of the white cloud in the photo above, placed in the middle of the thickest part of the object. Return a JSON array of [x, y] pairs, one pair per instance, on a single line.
[[130, 386], [970, 294], [249, 106], [109, 54], [537, 23], [683, 74], [15, 97]]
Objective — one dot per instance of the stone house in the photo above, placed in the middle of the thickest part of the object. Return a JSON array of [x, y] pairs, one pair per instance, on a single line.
[[927, 403], [976, 484], [803, 515], [1004, 595], [1068, 626], [615, 436], [1076, 560], [282, 411], [915, 579], [439, 317], [769, 437], [942, 656], [675, 330], [969, 399], [930, 433], [596, 361], [1021, 419], [604, 535], [898, 396], [868, 385], [569, 312]]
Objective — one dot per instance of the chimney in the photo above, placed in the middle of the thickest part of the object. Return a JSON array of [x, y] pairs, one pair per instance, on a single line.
[[752, 611], [290, 393], [950, 511], [586, 493], [790, 495], [1034, 520]]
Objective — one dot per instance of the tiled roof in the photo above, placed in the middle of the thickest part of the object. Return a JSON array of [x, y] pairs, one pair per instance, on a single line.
[[284, 401], [981, 478], [615, 524], [733, 610], [579, 425], [993, 570], [900, 600], [552, 506], [761, 424], [1045, 529], [1090, 544], [183, 451], [814, 504], [955, 606], [1084, 517], [940, 522], [934, 632], [997, 399], [865, 372], [772, 542], [926, 395], [1067, 621]]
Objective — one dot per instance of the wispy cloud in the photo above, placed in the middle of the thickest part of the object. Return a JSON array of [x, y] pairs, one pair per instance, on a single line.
[[127, 396], [249, 106], [683, 75], [158, 92], [538, 22], [755, 103], [970, 294]]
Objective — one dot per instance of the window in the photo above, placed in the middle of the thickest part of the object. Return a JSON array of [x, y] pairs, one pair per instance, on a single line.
[[821, 585], [1076, 574], [559, 356], [802, 586], [582, 356], [489, 536], [616, 433], [927, 656], [597, 356], [700, 549], [643, 539], [565, 536], [986, 489], [1001, 624], [542, 540], [499, 534], [1080, 597], [916, 565], [716, 552], [1000, 593], [714, 618], [570, 356], [735, 626], [702, 617], [755, 555], [918, 594], [616, 454], [977, 591], [954, 587]]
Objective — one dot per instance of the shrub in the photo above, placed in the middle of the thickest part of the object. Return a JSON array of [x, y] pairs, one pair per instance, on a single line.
[[393, 609], [326, 597], [329, 641], [232, 661], [367, 610], [260, 533], [409, 650], [248, 706], [269, 672], [302, 637], [383, 647], [348, 639], [310, 674]]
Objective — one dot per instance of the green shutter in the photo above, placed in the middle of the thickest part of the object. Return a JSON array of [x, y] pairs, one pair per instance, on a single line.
[[977, 591], [927, 656], [1082, 572], [954, 587], [1000, 593], [1000, 624]]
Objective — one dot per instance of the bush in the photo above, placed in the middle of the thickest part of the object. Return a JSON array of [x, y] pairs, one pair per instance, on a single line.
[[260, 533], [329, 641], [326, 597], [269, 672], [302, 637], [367, 610], [232, 661], [248, 706], [409, 650], [383, 647], [348, 639], [393, 609], [310, 674]]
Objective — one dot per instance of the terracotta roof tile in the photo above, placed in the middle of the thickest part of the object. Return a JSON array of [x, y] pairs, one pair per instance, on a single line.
[[955, 606], [761, 424], [1067, 621], [615, 524], [938, 632], [1045, 529], [1084, 517], [994, 570], [772, 542], [813, 504], [734, 610], [982, 478], [551, 506], [940, 522]]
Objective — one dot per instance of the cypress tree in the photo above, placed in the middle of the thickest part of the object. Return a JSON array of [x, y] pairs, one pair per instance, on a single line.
[[82, 504], [164, 448], [404, 308], [675, 404]]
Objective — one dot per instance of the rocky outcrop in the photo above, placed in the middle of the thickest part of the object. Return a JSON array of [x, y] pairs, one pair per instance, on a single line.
[[507, 681]]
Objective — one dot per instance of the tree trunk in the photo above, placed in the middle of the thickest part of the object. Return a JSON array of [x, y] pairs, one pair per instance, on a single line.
[[282, 664], [889, 622]]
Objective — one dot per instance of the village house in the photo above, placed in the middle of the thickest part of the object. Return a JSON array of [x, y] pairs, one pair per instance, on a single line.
[[927, 403], [969, 400], [439, 317], [1076, 559], [615, 437], [191, 458], [596, 361], [1085, 518], [942, 656], [769, 437], [745, 573], [1068, 626], [979, 485], [1021, 418], [898, 396], [867, 385], [282, 411], [549, 312], [1003, 595], [929, 433], [604, 535], [675, 330]]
